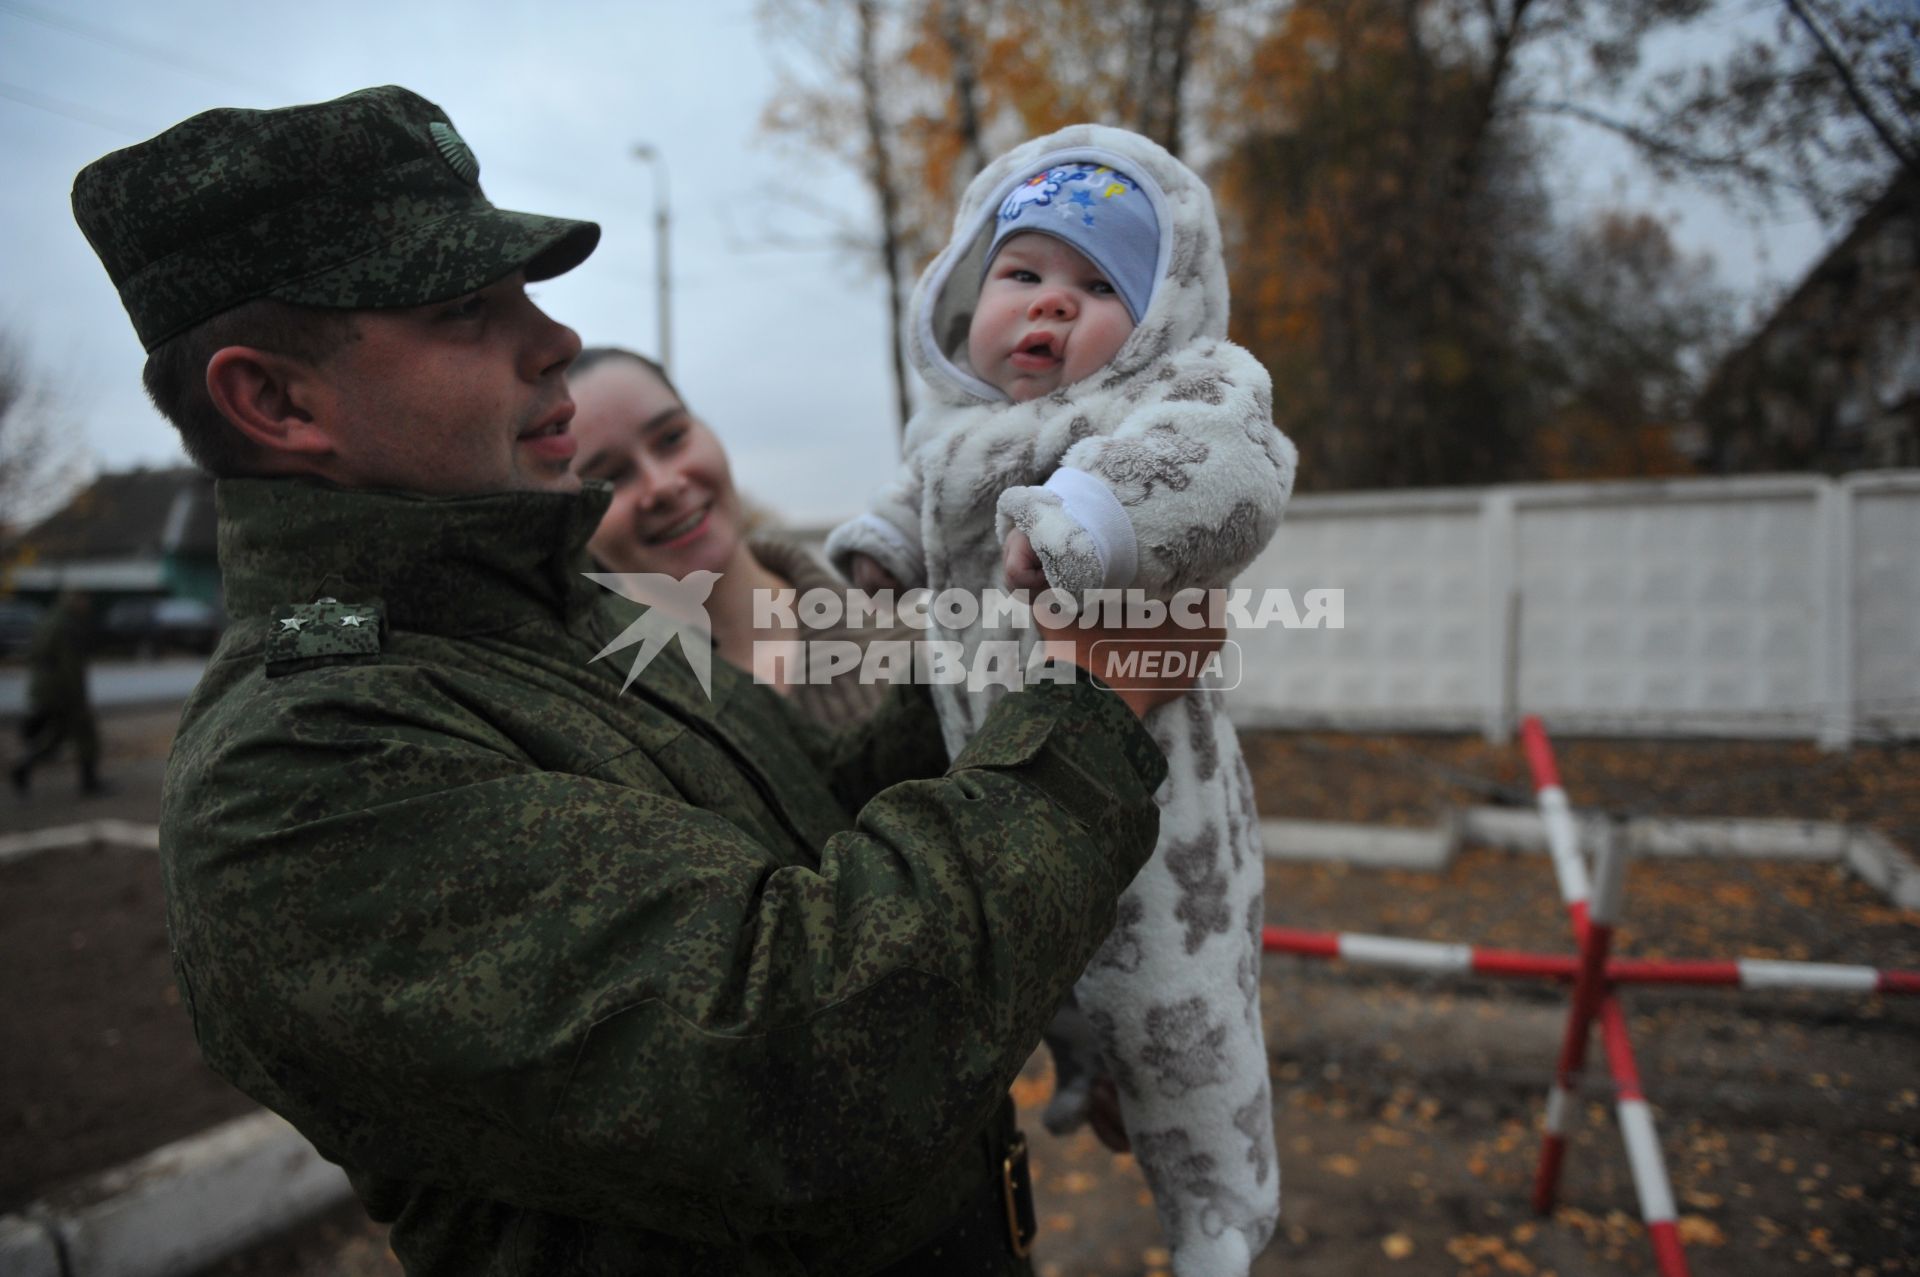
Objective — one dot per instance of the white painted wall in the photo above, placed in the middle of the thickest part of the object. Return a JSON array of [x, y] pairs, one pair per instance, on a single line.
[[1419, 614], [1770, 606]]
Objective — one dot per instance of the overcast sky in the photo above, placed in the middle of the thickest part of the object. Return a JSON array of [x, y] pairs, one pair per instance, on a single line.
[[783, 351]]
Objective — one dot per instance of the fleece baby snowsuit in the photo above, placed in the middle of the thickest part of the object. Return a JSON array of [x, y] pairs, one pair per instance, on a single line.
[[1161, 471]]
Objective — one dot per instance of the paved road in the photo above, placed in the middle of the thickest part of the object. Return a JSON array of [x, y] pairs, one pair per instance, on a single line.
[[116, 682]]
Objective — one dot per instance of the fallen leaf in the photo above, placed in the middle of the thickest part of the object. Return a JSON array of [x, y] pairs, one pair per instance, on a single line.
[[1397, 1245], [1698, 1230]]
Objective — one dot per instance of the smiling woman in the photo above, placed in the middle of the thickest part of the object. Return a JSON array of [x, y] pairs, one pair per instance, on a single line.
[[675, 511]]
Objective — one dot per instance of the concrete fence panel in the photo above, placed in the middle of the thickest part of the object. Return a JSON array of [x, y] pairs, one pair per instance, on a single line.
[[1765, 606], [1884, 607], [1416, 614], [1784, 606]]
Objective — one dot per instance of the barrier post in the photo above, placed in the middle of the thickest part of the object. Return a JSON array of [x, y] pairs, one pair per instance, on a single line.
[[1643, 1144], [1590, 985], [1594, 976]]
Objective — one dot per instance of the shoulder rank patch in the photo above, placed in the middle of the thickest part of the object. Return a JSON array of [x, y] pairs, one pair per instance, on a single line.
[[325, 627]]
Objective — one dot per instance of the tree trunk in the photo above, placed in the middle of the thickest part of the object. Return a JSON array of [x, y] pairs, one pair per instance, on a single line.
[[1162, 48], [880, 159], [966, 87]]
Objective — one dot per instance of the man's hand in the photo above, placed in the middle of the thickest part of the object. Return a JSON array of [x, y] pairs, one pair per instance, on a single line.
[[1102, 649], [868, 575], [1022, 564]]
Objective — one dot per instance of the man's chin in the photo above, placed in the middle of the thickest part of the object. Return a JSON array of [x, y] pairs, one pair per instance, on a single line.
[[545, 480]]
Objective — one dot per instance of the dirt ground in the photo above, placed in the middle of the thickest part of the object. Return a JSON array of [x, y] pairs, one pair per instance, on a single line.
[[98, 1065], [1407, 1106], [1412, 780]]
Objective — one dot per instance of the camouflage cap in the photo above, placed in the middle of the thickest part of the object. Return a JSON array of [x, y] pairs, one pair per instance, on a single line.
[[365, 202]]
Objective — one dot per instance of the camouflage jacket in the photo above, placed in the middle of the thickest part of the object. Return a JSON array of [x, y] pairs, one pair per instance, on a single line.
[[57, 660], [575, 981]]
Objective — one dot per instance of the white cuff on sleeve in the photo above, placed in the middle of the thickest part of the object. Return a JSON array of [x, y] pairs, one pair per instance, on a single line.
[[895, 539], [1091, 504], [877, 536]]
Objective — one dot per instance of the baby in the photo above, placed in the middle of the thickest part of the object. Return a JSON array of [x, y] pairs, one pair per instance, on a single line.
[[1091, 427]]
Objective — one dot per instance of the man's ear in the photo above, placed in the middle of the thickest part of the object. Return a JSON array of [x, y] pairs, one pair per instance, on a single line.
[[268, 398]]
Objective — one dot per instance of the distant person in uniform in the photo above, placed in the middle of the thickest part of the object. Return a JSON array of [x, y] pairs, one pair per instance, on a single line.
[[58, 708], [571, 977]]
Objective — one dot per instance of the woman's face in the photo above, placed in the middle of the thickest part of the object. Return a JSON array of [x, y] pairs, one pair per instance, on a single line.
[[674, 508]]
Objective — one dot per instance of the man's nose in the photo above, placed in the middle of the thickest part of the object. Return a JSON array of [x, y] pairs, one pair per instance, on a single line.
[[1053, 303], [551, 347]]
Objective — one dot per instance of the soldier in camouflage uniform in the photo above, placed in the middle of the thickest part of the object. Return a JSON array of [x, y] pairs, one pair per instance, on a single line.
[[568, 980], [58, 707]]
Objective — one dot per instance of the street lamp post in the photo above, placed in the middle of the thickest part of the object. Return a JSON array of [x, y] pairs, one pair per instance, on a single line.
[[651, 154]]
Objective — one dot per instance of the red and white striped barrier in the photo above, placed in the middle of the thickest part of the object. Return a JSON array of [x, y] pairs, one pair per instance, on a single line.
[[1517, 964], [1563, 840], [1595, 933], [1643, 1143], [1761, 973], [1593, 908]]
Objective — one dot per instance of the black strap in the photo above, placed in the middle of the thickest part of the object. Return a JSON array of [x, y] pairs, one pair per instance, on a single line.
[[991, 1236]]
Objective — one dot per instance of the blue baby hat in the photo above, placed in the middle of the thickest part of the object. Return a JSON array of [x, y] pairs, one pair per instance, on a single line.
[[1101, 212]]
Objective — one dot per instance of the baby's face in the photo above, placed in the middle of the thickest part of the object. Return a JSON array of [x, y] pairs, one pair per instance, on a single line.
[[1046, 318]]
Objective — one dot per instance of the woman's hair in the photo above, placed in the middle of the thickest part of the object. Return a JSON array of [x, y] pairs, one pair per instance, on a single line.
[[754, 517], [593, 355]]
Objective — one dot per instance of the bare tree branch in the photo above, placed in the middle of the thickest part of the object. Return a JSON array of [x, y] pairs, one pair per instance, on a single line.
[[41, 459], [1901, 150], [1662, 147]]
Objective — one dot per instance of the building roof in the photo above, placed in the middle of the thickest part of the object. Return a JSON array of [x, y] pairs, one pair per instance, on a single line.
[[134, 514], [1898, 202]]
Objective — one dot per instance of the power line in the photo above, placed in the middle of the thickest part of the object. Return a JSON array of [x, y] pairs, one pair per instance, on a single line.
[[73, 111], [209, 71]]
